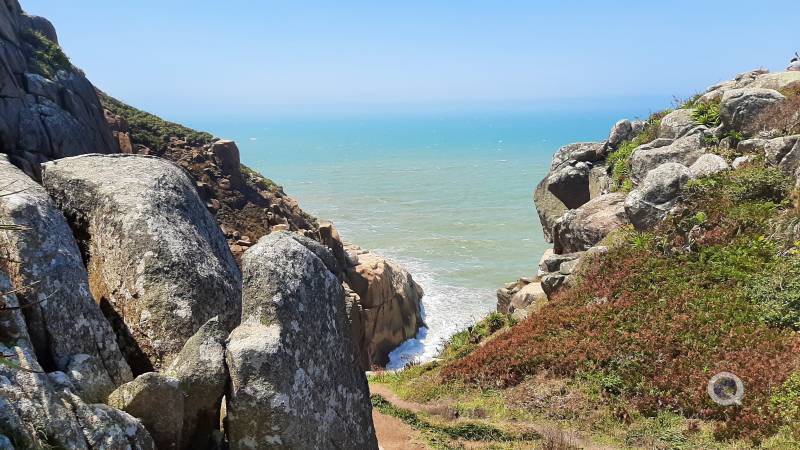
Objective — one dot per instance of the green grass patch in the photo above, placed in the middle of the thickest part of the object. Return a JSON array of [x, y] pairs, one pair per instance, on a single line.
[[442, 435], [707, 113]]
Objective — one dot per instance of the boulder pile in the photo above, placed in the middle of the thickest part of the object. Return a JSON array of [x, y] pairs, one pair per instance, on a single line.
[[158, 302], [581, 200]]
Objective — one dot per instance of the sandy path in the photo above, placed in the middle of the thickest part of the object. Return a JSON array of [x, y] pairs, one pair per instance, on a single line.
[[393, 433]]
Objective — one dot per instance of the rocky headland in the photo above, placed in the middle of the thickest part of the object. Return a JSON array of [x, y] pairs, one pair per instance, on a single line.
[[636, 176], [157, 293]]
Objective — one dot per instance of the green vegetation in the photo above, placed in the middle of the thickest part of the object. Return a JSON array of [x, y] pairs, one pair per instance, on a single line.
[[150, 130], [786, 402], [463, 342], [707, 113], [46, 57], [619, 160], [682, 302], [442, 435]]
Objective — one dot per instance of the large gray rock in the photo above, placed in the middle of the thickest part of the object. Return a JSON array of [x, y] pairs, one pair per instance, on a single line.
[[742, 80], [570, 184], [790, 163], [157, 401], [548, 207], [158, 263], [202, 378], [68, 330], [599, 181], [646, 205], [622, 131], [708, 164], [580, 151], [740, 107], [294, 380], [579, 229], [685, 150], [45, 115], [775, 150], [676, 124], [39, 410], [777, 81]]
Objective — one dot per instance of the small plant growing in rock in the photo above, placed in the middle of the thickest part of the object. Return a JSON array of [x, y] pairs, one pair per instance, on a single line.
[[707, 114]]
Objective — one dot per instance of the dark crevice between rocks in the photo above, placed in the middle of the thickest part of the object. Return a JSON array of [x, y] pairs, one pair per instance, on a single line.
[[133, 353], [37, 328]]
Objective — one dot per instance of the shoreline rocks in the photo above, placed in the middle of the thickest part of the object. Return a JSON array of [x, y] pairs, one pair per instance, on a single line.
[[390, 303]]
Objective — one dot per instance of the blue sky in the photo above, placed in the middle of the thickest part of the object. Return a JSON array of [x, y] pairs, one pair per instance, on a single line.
[[250, 56]]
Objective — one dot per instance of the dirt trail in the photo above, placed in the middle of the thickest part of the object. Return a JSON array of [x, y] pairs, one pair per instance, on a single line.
[[394, 434], [391, 429]]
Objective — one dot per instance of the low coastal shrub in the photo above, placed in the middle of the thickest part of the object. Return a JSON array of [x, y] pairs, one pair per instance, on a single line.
[[463, 342], [619, 160], [46, 56], [666, 310], [152, 131], [786, 402]]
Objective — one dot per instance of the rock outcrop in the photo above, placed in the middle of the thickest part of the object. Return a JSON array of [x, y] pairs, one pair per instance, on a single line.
[[676, 124], [68, 331], [49, 110], [390, 303], [646, 205], [576, 202], [202, 378], [685, 150], [579, 229], [291, 360], [158, 263], [739, 107], [157, 401], [708, 164]]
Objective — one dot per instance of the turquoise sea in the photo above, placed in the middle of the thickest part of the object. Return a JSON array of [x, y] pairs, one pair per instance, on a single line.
[[445, 193]]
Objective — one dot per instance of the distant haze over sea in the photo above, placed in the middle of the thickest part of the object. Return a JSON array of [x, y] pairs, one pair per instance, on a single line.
[[445, 193]]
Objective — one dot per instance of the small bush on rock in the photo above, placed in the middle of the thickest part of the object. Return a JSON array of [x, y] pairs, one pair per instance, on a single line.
[[619, 160], [46, 57], [707, 114]]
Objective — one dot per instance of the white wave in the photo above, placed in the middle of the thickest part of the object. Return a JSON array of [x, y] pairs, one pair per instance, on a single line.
[[447, 309]]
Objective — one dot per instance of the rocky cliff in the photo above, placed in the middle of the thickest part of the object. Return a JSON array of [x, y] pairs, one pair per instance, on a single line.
[[51, 111], [125, 320]]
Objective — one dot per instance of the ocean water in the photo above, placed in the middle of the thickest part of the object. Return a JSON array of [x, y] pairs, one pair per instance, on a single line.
[[446, 194]]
